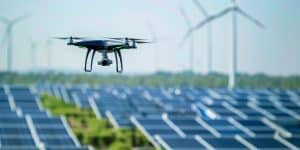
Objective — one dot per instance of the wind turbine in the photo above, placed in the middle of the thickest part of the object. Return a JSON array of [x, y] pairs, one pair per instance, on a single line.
[[8, 35], [189, 25], [234, 9], [209, 51]]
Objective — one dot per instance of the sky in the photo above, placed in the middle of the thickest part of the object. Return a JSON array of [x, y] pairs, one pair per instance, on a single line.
[[274, 50]]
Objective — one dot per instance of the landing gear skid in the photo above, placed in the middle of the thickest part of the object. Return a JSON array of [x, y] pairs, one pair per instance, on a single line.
[[118, 54], [86, 59], [118, 58]]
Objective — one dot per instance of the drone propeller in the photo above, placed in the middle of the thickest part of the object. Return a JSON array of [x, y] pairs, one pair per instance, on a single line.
[[143, 42], [71, 37], [131, 39]]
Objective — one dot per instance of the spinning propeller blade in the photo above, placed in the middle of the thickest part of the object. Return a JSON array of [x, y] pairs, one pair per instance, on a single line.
[[71, 37], [137, 40]]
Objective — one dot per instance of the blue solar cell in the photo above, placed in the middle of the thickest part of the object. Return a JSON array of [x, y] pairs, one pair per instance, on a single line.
[[249, 123], [162, 131], [184, 121], [67, 148], [216, 123], [12, 120], [19, 148], [52, 130], [183, 143], [61, 141], [264, 143], [226, 143], [17, 141], [200, 131], [294, 141], [151, 121], [47, 121], [14, 131], [231, 132]]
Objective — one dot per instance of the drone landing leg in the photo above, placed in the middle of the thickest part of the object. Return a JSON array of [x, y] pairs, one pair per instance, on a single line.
[[93, 54], [86, 59], [118, 53], [121, 61], [117, 62]]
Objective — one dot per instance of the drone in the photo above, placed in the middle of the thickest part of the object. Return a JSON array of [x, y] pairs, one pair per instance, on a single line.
[[104, 46]]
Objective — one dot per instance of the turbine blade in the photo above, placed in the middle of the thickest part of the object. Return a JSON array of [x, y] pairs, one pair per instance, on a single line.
[[4, 20], [187, 35], [186, 18], [211, 18], [200, 7], [252, 19], [204, 22], [222, 13], [21, 18]]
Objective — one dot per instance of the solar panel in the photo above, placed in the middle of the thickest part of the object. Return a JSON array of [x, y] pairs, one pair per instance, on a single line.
[[224, 143], [177, 143], [147, 105], [155, 126], [294, 141], [7, 141], [257, 127], [190, 126], [291, 125], [68, 148], [265, 143], [57, 140], [19, 148]]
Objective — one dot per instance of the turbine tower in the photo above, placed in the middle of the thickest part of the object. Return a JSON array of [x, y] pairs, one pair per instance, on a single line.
[[209, 58], [189, 25], [8, 35], [49, 53], [154, 40], [33, 56], [234, 9]]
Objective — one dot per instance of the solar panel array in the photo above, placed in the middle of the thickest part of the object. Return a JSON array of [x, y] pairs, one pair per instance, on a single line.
[[24, 125], [195, 118]]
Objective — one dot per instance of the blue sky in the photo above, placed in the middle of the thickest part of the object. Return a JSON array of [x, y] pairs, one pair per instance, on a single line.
[[274, 51]]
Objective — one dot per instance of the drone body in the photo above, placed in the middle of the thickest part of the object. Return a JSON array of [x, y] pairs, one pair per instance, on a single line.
[[105, 46]]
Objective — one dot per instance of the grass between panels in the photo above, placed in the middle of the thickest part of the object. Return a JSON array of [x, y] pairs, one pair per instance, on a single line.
[[92, 131]]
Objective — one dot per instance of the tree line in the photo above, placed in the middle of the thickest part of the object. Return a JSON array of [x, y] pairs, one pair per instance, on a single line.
[[213, 80]]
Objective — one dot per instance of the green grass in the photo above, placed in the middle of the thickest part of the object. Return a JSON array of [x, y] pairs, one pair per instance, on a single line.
[[92, 131]]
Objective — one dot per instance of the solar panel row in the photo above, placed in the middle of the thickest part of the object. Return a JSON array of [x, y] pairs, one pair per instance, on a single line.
[[25, 125], [191, 118]]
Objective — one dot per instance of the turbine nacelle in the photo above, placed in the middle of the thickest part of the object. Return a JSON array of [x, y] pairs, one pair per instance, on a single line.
[[233, 6]]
